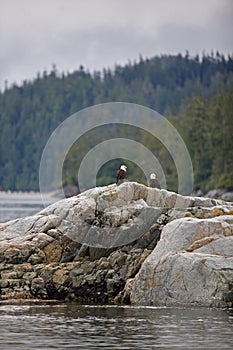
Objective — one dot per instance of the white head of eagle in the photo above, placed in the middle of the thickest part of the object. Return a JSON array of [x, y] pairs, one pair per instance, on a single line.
[[152, 176], [123, 167]]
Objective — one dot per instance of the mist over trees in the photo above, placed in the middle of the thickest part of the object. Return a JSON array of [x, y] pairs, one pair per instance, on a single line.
[[194, 93]]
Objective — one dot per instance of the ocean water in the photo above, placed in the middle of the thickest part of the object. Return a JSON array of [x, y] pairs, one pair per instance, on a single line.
[[18, 205], [71, 326], [30, 325]]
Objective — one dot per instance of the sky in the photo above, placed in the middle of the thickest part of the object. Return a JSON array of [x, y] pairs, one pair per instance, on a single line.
[[35, 34]]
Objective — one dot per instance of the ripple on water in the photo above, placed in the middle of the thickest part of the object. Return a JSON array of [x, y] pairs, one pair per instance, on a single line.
[[71, 326]]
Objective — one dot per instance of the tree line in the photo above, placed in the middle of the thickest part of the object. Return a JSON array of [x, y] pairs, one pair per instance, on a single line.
[[194, 93]]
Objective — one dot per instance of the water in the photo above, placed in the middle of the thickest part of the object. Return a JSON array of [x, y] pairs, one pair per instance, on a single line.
[[18, 205], [26, 325], [72, 326]]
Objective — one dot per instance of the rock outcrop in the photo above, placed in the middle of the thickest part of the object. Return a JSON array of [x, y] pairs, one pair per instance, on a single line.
[[192, 264], [101, 247]]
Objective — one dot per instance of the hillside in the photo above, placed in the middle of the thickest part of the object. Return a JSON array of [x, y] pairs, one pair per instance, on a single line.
[[194, 93]]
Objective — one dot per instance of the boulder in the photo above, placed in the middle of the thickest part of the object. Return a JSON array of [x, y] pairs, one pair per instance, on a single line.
[[227, 196], [220, 194], [192, 264]]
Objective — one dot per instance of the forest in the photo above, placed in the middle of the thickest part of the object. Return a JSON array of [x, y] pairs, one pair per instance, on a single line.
[[194, 93]]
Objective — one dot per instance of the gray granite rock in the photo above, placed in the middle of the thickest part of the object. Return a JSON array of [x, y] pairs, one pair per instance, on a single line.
[[192, 264], [86, 247]]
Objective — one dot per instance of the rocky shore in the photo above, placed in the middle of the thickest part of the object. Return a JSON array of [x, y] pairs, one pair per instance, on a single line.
[[125, 244]]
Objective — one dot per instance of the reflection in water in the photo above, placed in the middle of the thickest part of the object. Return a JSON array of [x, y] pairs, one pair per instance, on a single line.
[[72, 326]]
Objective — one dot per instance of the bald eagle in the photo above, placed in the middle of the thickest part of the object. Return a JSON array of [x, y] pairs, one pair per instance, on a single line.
[[154, 182], [121, 175]]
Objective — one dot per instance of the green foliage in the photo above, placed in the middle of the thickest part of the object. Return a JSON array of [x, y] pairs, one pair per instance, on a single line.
[[207, 128], [29, 113]]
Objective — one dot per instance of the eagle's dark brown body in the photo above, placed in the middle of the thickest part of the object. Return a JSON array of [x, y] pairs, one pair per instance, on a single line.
[[154, 183], [120, 176]]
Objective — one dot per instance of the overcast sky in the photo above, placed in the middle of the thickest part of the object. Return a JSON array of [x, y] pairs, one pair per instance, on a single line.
[[35, 34]]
